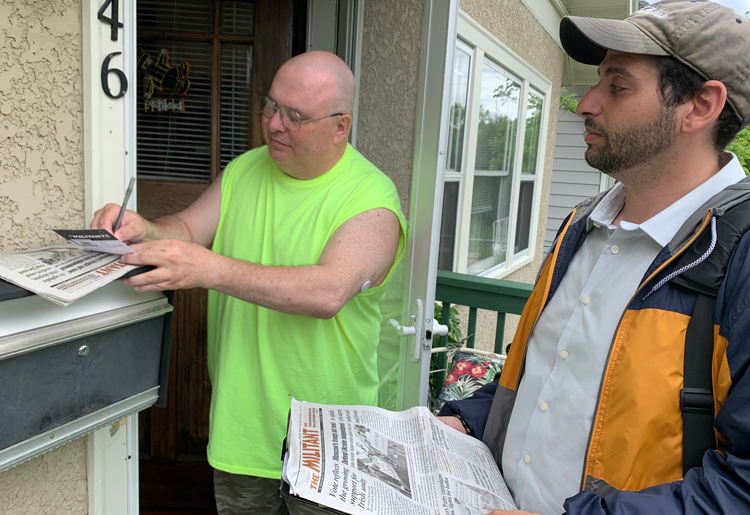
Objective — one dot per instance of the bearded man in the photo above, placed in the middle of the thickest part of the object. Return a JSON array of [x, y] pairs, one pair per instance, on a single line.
[[646, 287], [305, 234]]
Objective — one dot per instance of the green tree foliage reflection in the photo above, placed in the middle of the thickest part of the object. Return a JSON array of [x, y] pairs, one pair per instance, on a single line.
[[740, 146], [498, 125], [496, 138]]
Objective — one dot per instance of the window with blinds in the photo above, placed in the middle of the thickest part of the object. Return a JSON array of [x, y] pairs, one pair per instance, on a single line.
[[236, 101], [194, 86]]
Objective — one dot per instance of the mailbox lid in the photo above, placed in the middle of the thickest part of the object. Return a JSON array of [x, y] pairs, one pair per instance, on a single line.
[[30, 323], [20, 314]]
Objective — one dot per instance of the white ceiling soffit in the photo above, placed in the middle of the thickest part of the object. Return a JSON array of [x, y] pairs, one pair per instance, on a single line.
[[575, 73], [548, 13]]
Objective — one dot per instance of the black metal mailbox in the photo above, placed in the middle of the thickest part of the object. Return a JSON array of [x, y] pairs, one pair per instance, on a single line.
[[65, 372]]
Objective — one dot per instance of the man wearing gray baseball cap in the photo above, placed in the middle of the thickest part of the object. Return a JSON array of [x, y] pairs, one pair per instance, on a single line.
[[627, 386]]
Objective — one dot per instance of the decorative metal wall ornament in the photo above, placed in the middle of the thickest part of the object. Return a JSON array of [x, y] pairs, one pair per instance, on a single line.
[[160, 76]]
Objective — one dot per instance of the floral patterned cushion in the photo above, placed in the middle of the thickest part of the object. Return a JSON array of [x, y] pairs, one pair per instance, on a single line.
[[467, 375]]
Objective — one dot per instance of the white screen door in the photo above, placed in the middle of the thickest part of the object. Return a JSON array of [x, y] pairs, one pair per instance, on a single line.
[[404, 361]]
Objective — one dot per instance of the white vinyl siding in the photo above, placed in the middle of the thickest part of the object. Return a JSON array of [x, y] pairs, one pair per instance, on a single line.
[[573, 180]]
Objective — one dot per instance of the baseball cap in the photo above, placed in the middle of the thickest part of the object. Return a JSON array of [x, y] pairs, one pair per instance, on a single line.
[[708, 37]]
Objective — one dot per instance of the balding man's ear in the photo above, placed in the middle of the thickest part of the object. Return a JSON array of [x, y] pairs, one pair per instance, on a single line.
[[705, 107], [342, 128]]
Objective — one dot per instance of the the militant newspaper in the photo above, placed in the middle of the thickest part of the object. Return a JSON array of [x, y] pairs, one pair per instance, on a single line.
[[61, 274], [364, 460]]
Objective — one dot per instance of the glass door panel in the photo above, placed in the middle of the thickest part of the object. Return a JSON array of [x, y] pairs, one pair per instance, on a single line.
[[448, 226], [459, 100]]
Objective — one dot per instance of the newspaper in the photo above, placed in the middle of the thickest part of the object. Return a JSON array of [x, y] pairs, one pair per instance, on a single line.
[[364, 460], [63, 273]]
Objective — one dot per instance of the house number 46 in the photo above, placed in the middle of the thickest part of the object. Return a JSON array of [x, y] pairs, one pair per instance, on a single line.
[[114, 22]]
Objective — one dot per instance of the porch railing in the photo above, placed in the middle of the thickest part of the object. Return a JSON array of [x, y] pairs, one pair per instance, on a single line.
[[477, 293]]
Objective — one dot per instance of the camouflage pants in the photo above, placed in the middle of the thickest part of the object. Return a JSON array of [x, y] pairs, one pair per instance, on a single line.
[[237, 494]]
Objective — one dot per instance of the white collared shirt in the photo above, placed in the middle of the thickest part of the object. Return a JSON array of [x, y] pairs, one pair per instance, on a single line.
[[549, 428]]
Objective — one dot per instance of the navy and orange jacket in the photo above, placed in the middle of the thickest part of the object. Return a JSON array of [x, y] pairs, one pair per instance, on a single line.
[[633, 464]]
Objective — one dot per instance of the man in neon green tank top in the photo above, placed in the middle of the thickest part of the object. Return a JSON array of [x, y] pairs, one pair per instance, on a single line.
[[305, 235]]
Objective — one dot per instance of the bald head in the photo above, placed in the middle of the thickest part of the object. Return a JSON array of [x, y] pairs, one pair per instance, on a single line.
[[319, 87], [327, 70]]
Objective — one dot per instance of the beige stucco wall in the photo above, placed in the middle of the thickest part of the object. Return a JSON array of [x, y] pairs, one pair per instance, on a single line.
[[41, 121], [41, 187], [514, 25], [391, 40], [54, 483]]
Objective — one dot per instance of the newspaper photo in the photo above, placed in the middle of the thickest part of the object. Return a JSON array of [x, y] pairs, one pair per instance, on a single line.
[[61, 274], [365, 460]]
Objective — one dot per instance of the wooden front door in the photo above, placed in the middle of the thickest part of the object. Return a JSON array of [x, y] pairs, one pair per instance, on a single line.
[[202, 65]]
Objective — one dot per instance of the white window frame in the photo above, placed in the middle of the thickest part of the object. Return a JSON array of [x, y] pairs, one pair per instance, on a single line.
[[481, 44]]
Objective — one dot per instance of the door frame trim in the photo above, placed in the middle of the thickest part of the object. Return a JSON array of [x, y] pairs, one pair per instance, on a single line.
[[359, 23], [103, 138], [130, 109], [109, 150]]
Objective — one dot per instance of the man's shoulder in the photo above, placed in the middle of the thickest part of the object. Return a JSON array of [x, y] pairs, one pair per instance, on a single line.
[[255, 159], [363, 170], [251, 158], [361, 186]]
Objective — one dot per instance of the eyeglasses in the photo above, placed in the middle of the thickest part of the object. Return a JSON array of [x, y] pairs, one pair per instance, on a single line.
[[289, 117]]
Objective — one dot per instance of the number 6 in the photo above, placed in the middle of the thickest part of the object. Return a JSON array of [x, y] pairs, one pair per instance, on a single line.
[[106, 70]]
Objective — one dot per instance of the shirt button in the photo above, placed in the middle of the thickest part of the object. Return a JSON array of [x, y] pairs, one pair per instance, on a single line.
[[586, 300], [544, 406], [527, 458], [564, 354], [615, 249]]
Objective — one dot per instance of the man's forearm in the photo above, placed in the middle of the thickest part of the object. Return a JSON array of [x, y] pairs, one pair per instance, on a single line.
[[360, 250], [300, 290], [170, 227]]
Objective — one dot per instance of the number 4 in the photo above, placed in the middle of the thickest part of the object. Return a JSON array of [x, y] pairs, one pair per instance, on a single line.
[[114, 21]]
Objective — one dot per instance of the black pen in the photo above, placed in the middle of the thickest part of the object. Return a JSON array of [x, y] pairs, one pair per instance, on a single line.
[[124, 203]]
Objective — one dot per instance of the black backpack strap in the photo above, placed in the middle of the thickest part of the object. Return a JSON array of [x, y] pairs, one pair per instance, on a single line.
[[696, 396], [705, 280]]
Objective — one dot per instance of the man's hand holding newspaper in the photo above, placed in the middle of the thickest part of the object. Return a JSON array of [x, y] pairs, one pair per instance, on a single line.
[[65, 273], [364, 460]]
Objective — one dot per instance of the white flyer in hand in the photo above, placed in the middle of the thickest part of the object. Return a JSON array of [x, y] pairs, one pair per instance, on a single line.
[[98, 240]]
